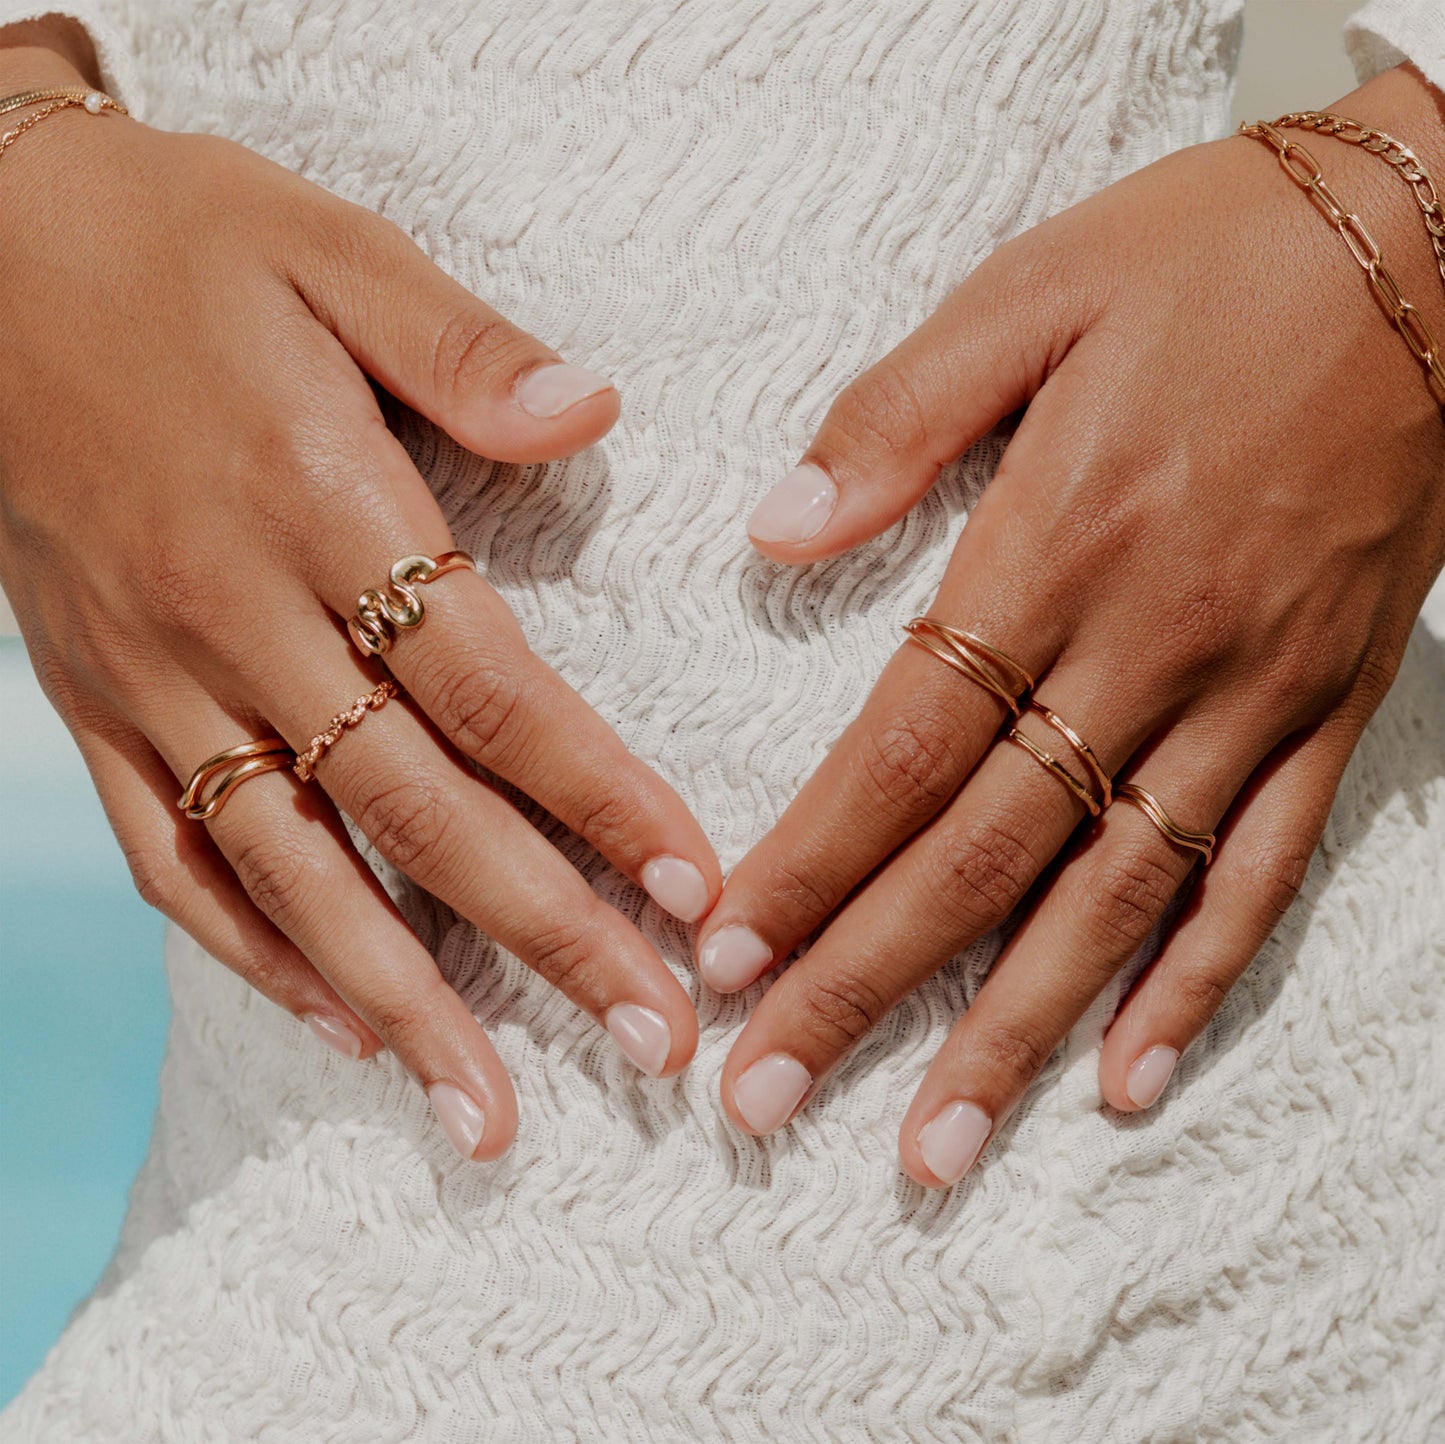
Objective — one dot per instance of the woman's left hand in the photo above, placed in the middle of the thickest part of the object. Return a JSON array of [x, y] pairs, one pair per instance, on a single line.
[[1208, 541]]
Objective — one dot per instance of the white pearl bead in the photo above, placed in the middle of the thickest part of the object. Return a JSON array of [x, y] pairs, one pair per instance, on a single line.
[[94, 101]]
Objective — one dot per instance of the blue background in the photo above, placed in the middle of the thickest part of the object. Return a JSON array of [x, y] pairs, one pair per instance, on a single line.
[[83, 1012]]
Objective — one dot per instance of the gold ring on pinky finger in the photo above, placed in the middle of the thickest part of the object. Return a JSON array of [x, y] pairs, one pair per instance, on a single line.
[[219, 776], [379, 696], [973, 658], [398, 604], [1148, 804]]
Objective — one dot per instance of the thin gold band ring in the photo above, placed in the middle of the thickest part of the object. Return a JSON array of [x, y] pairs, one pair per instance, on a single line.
[[219, 776], [1149, 805], [379, 611], [972, 657], [1095, 801]]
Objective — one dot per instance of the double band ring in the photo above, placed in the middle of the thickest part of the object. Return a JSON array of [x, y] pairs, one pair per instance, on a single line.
[[1098, 791], [972, 657], [219, 776], [379, 611], [1149, 805]]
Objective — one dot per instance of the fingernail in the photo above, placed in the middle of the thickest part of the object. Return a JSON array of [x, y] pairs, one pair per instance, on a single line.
[[677, 886], [1148, 1074], [953, 1138], [459, 1116], [335, 1034], [642, 1034], [797, 508], [732, 957], [770, 1090], [550, 390]]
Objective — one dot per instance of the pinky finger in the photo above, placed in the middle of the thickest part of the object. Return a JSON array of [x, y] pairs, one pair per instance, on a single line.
[[1261, 861], [178, 870]]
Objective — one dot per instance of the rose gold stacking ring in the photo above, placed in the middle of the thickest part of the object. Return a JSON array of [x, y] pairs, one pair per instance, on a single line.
[[1096, 797], [398, 604], [379, 696], [219, 776], [973, 658], [1148, 804]]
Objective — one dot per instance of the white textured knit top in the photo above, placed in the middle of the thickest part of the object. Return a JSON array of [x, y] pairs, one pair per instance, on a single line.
[[732, 207]]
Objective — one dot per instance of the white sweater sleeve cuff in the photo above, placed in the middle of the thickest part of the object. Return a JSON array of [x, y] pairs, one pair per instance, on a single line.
[[1388, 32], [112, 49]]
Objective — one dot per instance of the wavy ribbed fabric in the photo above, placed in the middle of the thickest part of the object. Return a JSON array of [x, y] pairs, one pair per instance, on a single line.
[[732, 207]]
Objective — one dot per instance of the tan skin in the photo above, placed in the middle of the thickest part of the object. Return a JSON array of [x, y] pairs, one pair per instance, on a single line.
[[1209, 539]]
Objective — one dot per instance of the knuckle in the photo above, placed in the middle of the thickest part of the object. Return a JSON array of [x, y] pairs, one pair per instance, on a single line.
[[154, 879], [909, 766], [565, 953], [406, 822], [1128, 897], [479, 708], [1011, 1052], [799, 892], [401, 1022], [841, 1008], [1200, 994], [1278, 878], [473, 345], [610, 819], [985, 873], [278, 877], [882, 411]]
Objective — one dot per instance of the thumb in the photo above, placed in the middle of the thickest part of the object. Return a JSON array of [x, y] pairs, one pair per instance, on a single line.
[[981, 355], [492, 386]]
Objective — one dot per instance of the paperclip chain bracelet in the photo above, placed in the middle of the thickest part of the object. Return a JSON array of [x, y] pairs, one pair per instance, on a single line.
[[1304, 170], [1407, 164]]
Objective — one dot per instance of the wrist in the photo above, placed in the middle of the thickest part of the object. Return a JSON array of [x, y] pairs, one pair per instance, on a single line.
[[50, 52]]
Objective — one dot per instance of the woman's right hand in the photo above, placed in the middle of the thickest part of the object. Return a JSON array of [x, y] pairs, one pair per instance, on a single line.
[[197, 483]]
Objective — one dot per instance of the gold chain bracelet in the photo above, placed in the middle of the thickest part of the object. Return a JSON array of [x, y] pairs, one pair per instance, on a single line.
[[1304, 170], [34, 97], [1408, 166], [93, 102]]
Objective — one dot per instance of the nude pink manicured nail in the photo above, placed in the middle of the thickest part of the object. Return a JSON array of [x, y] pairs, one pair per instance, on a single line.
[[335, 1034], [1148, 1074], [642, 1034], [677, 886], [550, 390], [770, 1090], [953, 1138], [732, 957], [460, 1117], [797, 508]]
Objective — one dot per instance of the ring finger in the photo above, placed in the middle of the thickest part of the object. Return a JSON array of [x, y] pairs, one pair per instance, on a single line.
[[1102, 904]]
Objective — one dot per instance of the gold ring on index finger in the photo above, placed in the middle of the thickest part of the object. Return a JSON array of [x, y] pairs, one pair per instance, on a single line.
[[380, 610]]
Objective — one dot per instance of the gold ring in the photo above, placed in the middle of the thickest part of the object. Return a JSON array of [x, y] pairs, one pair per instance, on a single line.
[[397, 604], [973, 658], [1085, 754], [379, 696], [219, 776], [1149, 805]]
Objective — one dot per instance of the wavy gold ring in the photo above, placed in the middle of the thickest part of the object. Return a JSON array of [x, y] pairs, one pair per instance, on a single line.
[[219, 776], [1095, 800], [397, 604], [1149, 805], [973, 658]]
